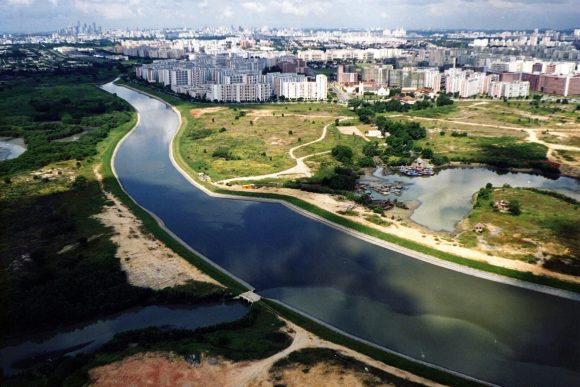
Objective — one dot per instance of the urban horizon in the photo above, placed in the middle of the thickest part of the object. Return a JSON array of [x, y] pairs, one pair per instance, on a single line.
[[34, 16]]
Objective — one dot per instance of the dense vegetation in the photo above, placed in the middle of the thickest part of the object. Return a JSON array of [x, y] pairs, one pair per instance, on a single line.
[[255, 336], [45, 109], [58, 262], [367, 110]]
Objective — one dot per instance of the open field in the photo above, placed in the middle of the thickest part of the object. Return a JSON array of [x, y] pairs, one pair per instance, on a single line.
[[479, 148], [515, 113], [335, 137], [547, 232], [227, 142]]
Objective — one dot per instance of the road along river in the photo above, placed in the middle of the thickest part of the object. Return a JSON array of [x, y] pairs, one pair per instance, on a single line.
[[486, 329]]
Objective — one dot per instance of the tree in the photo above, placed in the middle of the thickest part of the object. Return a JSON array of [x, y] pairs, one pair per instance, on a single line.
[[443, 99], [514, 207], [427, 153], [371, 149], [342, 153]]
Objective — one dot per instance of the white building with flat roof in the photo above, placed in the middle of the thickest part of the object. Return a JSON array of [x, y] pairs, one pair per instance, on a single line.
[[317, 90], [516, 89]]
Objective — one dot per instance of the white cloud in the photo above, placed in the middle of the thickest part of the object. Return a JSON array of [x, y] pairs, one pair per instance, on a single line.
[[227, 13], [254, 6], [302, 8], [109, 9], [20, 2]]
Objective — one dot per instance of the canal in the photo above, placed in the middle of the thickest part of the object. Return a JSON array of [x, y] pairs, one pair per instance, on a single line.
[[490, 330]]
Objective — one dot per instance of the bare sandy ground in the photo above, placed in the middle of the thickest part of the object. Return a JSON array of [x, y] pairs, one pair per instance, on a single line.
[[147, 262], [162, 369], [350, 130], [196, 113], [408, 230]]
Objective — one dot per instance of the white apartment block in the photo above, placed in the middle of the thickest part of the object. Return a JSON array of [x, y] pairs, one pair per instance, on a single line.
[[466, 83], [348, 54], [516, 89], [239, 92], [316, 90]]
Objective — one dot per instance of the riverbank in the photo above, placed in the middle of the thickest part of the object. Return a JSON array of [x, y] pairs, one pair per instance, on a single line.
[[422, 369], [511, 275], [164, 369]]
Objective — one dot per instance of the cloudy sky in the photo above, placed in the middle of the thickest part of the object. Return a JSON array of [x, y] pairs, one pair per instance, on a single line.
[[46, 15]]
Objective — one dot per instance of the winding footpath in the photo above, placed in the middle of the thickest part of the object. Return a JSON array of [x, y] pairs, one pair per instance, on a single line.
[[299, 170], [414, 331]]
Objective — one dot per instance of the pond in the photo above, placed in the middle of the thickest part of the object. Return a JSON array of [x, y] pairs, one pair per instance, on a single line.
[[446, 198], [11, 148], [90, 336]]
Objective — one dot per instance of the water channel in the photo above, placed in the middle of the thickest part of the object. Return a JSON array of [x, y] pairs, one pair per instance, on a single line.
[[89, 337], [489, 330]]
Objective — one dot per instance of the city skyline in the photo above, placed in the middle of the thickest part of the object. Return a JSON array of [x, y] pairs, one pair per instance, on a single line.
[[43, 16]]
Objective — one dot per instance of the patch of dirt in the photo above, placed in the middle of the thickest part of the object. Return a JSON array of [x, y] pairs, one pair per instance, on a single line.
[[147, 262], [164, 369], [322, 375], [276, 141], [196, 113], [350, 130]]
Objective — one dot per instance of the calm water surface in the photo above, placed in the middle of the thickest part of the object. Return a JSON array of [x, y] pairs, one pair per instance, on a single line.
[[489, 330], [446, 197], [89, 337], [11, 148]]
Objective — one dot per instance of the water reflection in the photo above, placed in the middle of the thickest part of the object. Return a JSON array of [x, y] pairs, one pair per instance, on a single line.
[[446, 197], [11, 148], [470, 325], [92, 336]]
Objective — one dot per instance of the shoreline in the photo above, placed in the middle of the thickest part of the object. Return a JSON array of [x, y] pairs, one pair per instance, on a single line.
[[325, 330], [240, 195], [321, 329], [480, 271], [368, 238], [159, 221]]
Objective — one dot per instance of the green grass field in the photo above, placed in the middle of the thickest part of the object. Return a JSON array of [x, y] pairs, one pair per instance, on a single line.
[[514, 113], [226, 142], [479, 148], [548, 228]]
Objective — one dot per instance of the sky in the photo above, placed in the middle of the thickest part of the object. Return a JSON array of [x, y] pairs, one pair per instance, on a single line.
[[49, 15]]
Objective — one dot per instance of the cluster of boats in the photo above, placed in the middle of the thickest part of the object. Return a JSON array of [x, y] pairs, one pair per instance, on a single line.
[[416, 171], [384, 189]]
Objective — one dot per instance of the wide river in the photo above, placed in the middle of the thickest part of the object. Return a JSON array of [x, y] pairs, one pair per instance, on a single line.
[[493, 331]]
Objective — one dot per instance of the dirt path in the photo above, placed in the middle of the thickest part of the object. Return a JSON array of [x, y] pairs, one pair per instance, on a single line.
[[299, 170], [533, 137], [162, 369], [532, 133], [478, 104]]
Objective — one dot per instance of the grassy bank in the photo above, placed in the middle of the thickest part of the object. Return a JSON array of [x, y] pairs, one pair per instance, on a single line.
[[255, 336], [335, 337], [524, 276], [113, 186], [546, 228]]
